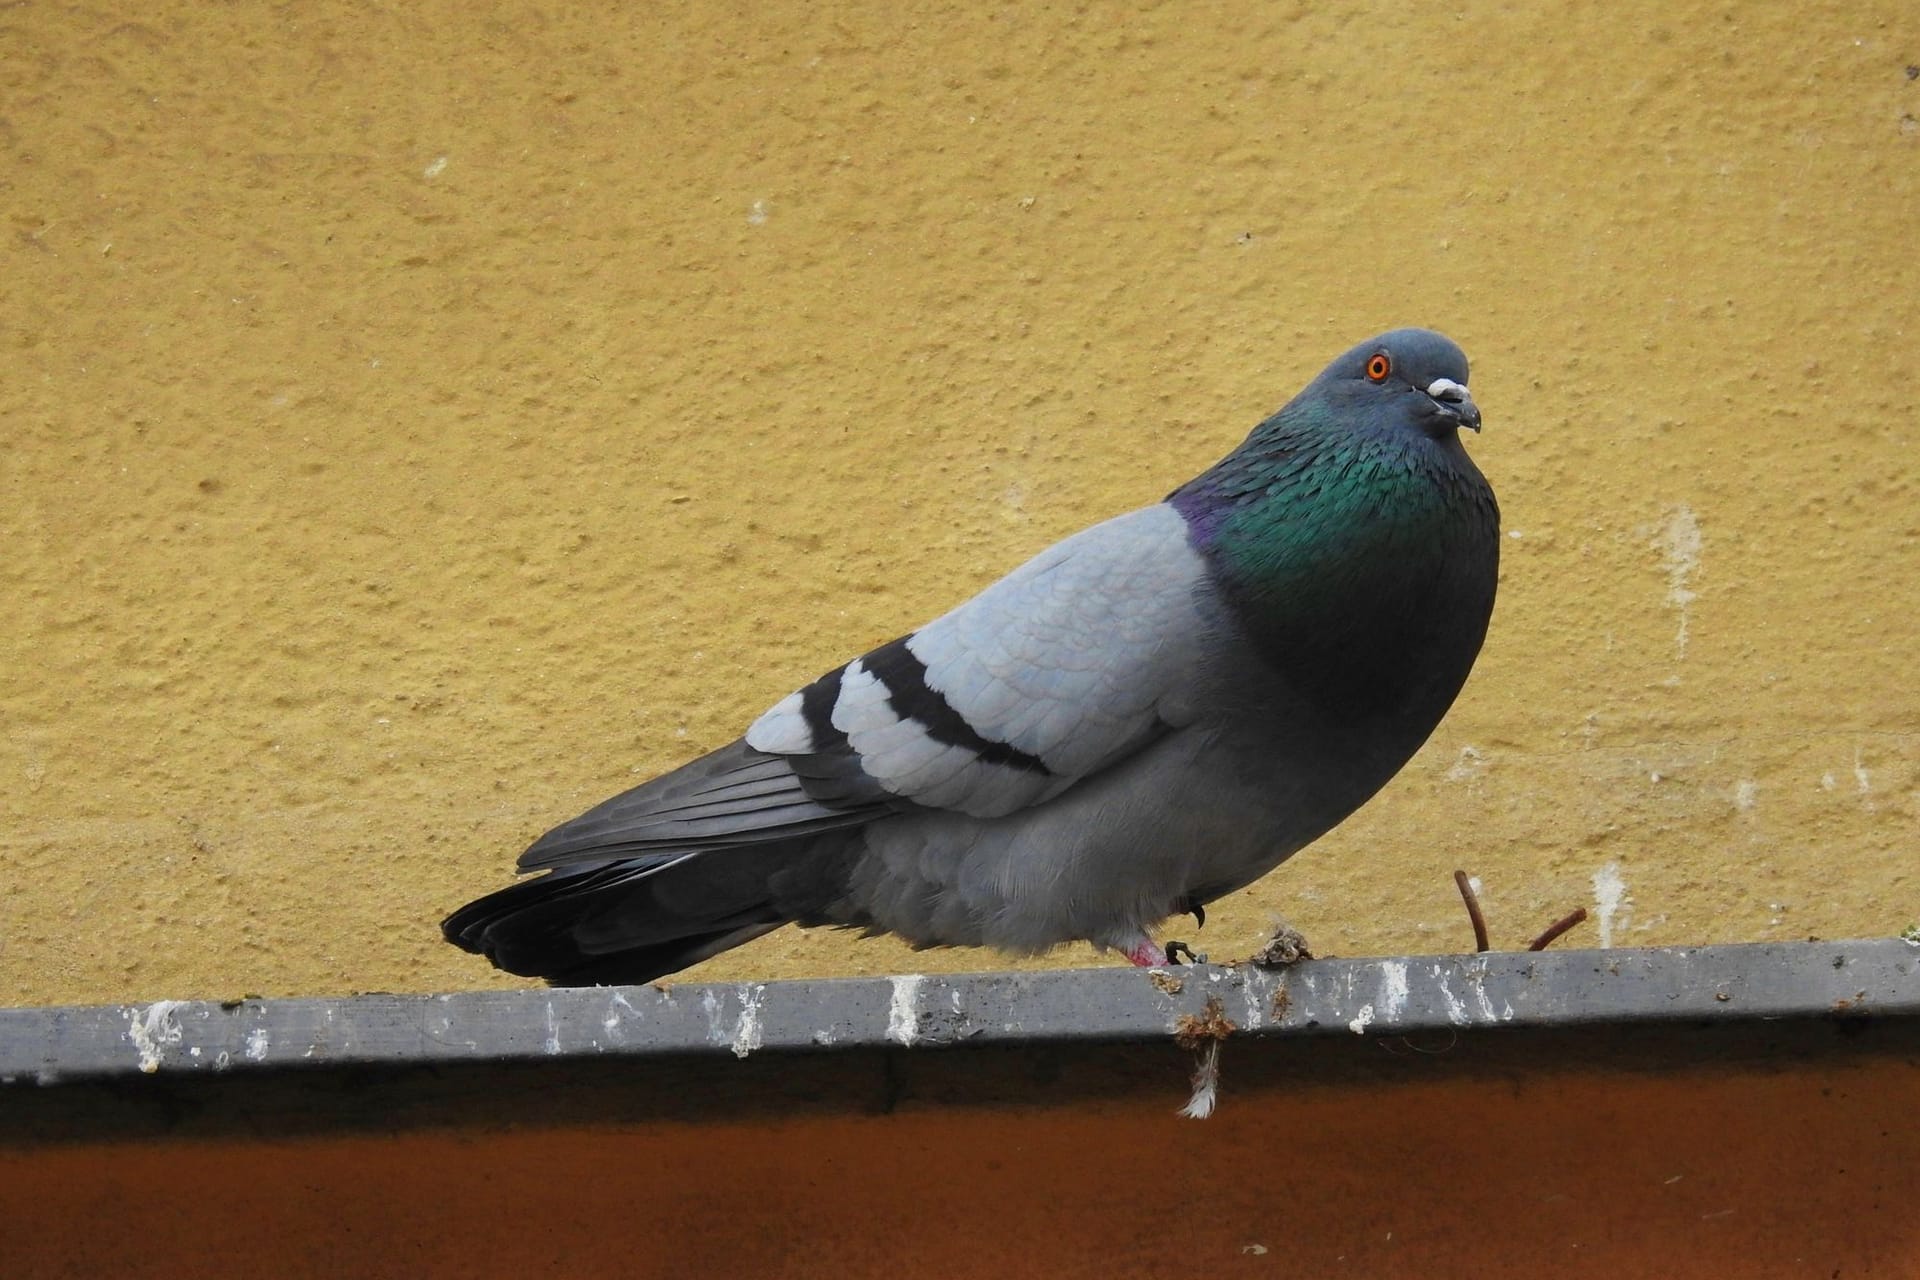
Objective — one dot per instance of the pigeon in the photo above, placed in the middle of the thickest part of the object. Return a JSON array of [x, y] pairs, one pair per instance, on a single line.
[[1144, 717]]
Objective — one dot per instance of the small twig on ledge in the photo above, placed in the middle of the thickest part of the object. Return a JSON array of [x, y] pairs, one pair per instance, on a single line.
[[1557, 928], [1472, 900], [1465, 884]]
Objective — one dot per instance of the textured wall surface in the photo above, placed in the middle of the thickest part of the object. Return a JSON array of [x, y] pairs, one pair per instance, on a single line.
[[420, 424]]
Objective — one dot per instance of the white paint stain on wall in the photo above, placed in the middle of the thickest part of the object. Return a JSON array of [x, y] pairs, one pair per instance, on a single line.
[[1746, 793], [1611, 901], [1477, 981], [613, 1022], [1467, 766], [1679, 542], [1393, 989], [903, 1011], [746, 1031], [258, 1042], [1456, 1010]]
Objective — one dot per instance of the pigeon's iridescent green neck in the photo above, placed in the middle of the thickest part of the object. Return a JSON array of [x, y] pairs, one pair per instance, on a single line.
[[1285, 517], [1343, 551]]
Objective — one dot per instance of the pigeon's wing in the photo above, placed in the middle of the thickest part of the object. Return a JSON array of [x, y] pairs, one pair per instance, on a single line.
[[1077, 658], [1074, 660]]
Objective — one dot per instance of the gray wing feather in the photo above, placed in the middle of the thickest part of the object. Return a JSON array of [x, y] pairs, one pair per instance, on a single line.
[[730, 797]]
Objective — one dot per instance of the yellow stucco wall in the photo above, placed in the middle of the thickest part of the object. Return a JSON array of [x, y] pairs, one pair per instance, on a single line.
[[422, 422]]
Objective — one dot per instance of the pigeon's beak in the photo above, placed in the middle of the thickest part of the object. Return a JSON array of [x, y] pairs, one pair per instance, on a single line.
[[1454, 401]]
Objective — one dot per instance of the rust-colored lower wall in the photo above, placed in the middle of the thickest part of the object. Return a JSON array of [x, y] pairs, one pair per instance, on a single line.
[[1811, 1173]]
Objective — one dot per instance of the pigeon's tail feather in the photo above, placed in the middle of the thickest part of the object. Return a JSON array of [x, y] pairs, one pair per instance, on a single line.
[[639, 919], [563, 965]]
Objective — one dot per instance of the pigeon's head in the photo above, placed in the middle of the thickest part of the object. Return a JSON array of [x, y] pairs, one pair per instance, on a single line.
[[1412, 379]]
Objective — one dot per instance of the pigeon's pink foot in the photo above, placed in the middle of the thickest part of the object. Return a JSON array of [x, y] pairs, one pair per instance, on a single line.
[[1146, 954]]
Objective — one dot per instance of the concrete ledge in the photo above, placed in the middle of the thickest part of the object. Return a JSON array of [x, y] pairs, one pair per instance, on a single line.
[[1687, 1113], [1402, 996]]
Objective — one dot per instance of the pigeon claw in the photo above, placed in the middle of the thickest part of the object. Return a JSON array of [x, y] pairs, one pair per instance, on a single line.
[[1175, 949]]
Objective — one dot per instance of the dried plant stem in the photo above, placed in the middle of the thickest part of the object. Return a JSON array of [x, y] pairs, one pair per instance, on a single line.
[[1557, 928], [1472, 900]]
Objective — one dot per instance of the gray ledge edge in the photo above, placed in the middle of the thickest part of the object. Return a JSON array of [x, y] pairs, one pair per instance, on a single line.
[[1359, 997]]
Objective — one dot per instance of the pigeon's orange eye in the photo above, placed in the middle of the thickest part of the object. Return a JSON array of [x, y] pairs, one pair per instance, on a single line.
[[1379, 367]]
